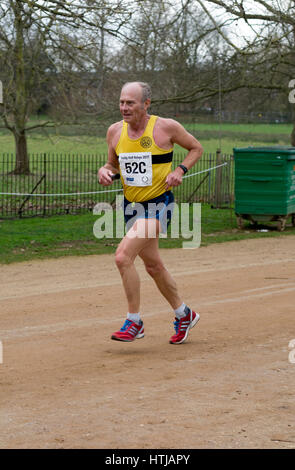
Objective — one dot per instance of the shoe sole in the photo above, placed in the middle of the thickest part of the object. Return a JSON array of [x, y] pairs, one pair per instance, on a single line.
[[140, 335], [193, 323]]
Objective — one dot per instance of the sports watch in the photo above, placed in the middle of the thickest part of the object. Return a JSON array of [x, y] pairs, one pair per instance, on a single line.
[[184, 169]]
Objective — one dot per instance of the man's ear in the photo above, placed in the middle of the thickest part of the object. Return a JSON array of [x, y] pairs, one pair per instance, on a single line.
[[147, 104]]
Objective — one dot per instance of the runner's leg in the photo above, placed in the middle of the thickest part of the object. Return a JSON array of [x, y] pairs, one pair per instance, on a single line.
[[154, 265], [130, 246]]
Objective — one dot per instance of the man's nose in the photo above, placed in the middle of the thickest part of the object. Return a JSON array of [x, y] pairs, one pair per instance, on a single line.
[[125, 107]]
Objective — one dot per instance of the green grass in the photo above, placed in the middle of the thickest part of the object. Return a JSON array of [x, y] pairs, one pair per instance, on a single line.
[[212, 136], [53, 237], [242, 128], [84, 145], [57, 144], [37, 238]]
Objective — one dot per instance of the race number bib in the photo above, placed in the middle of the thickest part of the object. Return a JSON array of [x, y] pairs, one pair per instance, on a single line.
[[136, 168]]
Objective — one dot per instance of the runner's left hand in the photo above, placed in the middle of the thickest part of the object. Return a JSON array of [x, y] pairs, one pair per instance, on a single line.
[[174, 178]]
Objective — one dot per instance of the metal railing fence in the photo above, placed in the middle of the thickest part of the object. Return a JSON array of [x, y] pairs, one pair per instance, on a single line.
[[67, 184]]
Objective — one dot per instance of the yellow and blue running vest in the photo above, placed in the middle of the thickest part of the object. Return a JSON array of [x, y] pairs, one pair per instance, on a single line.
[[144, 166]]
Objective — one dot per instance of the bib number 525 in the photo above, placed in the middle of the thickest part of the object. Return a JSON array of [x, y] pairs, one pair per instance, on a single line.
[[135, 167]]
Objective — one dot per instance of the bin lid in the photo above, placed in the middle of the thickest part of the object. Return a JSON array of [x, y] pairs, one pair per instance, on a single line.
[[279, 149]]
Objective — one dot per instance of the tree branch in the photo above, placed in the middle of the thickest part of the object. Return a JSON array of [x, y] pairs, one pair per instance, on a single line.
[[276, 16]]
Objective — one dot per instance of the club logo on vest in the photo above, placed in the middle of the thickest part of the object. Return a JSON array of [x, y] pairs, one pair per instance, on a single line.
[[146, 142]]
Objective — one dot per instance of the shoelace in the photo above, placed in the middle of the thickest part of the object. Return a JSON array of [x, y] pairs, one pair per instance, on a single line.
[[126, 325], [176, 325]]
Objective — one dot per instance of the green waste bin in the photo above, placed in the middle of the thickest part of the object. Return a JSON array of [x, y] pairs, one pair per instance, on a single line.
[[265, 184]]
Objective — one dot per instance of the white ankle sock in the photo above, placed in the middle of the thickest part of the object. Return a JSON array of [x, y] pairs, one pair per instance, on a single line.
[[135, 317], [182, 311]]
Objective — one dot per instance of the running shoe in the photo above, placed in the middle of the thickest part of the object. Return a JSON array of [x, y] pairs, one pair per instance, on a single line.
[[182, 327], [129, 331]]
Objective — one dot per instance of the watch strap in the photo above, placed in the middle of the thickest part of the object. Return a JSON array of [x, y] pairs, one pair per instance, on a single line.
[[184, 169]]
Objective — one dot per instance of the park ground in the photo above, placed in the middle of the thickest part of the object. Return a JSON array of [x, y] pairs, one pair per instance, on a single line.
[[65, 384]]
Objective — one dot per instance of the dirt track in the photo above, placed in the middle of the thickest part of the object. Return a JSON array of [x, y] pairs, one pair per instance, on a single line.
[[65, 384]]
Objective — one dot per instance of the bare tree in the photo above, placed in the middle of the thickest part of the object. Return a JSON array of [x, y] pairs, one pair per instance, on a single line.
[[172, 45], [37, 37], [260, 35]]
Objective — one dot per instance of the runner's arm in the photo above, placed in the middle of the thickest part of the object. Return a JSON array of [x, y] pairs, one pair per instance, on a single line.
[[111, 167], [187, 141]]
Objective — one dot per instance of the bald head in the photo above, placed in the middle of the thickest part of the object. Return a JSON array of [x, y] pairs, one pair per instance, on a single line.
[[134, 103], [140, 87]]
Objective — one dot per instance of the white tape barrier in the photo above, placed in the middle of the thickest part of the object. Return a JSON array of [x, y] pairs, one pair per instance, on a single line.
[[99, 192], [205, 171]]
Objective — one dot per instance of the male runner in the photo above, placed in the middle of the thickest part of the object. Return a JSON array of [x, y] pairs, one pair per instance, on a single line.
[[141, 148]]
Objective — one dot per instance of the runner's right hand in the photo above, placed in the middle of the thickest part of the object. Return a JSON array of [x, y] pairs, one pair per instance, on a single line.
[[105, 176]]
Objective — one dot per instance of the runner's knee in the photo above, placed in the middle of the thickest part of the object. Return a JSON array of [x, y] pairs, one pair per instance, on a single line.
[[122, 259], [154, 269]]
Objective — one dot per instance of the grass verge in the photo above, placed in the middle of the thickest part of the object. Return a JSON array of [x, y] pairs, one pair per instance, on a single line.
[[72, 235], [212, 136]]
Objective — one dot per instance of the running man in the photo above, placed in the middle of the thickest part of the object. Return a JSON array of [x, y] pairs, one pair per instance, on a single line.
[[140, 147]]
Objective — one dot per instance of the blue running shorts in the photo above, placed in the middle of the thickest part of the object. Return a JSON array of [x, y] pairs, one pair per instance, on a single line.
[[160, 208]]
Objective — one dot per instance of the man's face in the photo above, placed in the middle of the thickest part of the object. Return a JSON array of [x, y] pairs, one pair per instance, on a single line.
[[131, 106]]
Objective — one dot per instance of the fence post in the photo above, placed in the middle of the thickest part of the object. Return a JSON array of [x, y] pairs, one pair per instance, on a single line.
[[209, 195], [218, 181], [45, 188]]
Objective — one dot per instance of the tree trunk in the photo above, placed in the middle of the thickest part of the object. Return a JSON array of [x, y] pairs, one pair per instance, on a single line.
[[101, 65], [22, 166], [22, 161]]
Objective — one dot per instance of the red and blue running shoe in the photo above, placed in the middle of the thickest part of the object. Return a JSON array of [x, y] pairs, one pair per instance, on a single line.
[[129, 331], [182, 327]]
